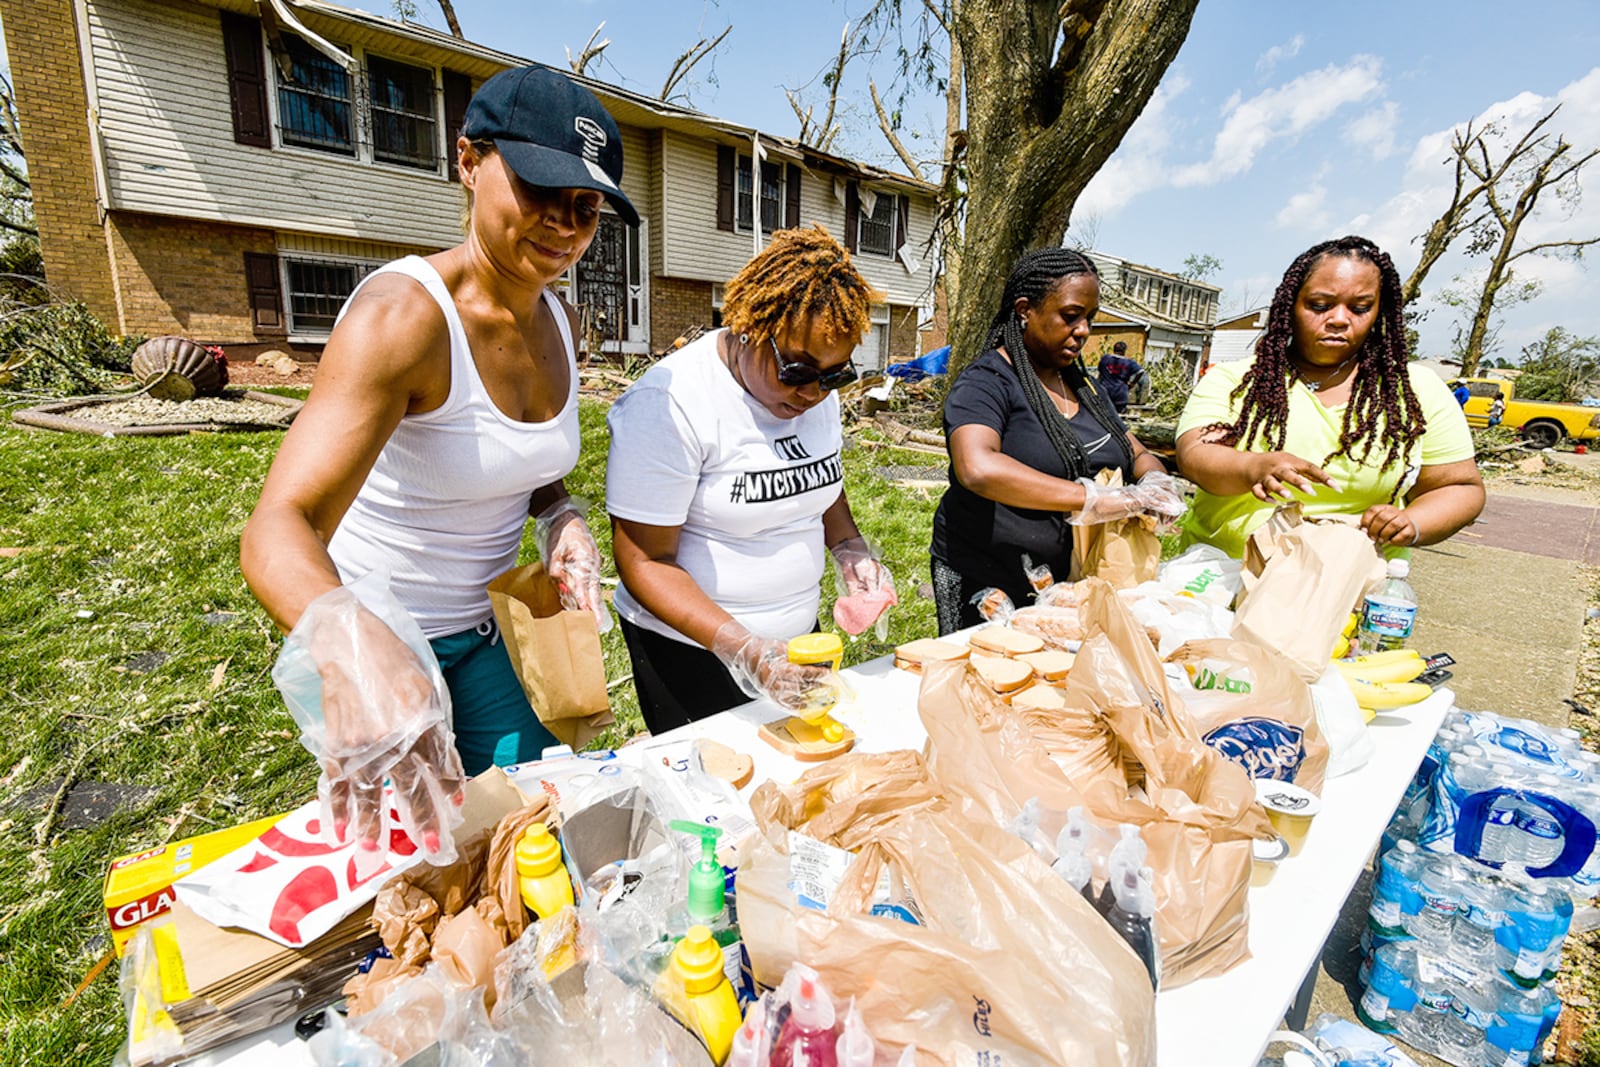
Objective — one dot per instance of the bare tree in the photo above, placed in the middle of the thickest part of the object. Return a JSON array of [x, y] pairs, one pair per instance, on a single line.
[[686, 62], [887, 127], [1544, 165], [821, 135], [16, 192], [1463, 213], [590, 51]]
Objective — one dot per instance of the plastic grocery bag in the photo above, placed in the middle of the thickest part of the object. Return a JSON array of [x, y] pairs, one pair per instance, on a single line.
[[1250, 706], [1303, 579], [555, 652], [1350, 746], [1204, 572], [984, 955]]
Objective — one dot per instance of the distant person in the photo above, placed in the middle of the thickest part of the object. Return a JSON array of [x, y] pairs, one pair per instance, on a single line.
[[1497, 409], [1331, 413], [1118, 374], [1461, 393]]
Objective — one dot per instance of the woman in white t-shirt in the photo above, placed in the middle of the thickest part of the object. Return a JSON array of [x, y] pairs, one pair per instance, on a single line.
[[724, 485]]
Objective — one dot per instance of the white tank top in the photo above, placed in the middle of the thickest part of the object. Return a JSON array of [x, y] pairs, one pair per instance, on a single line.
[[444, 505]]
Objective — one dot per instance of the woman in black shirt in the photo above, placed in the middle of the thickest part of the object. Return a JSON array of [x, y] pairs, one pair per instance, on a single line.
[[1027, 437]]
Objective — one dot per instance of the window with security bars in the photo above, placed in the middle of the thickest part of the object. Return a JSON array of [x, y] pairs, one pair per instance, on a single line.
[[403, 123], [314, 102], [318, 288], [877, 229], [772, 193]]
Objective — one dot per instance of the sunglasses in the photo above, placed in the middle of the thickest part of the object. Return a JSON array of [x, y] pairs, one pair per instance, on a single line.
[[794, 373]]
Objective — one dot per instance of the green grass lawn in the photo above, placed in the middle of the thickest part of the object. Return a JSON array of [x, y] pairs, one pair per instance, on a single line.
[[131, 652]]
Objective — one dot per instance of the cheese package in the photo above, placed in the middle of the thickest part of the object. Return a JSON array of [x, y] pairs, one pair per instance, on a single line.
[[139, 887]]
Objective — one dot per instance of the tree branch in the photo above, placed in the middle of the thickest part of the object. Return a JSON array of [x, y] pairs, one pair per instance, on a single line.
[[1543, 245], [590, 51], [888, 131], [450, 19], [17, 227], [838, 75], [938, 16], [685, 63]]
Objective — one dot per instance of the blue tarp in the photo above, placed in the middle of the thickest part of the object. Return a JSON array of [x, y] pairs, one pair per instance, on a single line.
[[935, 362]]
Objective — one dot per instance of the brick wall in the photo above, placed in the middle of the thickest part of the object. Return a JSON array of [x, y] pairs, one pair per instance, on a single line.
[[52, 107], [675, 305], [184, 276]]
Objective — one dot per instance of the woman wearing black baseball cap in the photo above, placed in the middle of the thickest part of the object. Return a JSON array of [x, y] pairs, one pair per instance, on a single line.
[[445, 413]]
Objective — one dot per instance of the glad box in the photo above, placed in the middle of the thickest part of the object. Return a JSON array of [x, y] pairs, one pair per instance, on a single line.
[[139, 887]]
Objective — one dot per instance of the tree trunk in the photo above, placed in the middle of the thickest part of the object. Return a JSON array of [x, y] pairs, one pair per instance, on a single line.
[[950, 180], [1048, 101]]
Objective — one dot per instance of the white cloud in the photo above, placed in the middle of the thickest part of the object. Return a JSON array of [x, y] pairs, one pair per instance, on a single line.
[[1375, 130], [1283, 112], [1278, 53], [1567, 296], [1139, 164], [1306, 211]]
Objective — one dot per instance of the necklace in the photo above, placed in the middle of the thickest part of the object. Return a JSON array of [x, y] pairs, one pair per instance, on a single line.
[[1318, 386]]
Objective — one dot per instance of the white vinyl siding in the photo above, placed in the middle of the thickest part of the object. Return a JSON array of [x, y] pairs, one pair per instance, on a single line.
[[692, 247]]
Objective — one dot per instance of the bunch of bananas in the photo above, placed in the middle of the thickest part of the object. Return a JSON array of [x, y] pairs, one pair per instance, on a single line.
[[1384, 680]]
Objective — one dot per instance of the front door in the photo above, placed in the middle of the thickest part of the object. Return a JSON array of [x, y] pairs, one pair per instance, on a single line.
[[611, 288]]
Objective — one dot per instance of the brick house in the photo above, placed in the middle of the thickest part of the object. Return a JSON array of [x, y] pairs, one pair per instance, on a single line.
[[189, 177]]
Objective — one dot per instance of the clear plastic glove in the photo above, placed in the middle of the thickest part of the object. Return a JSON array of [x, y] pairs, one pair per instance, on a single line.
[[1156, 494], [866, 589], [571, 557], [363, 685], [761, 667]]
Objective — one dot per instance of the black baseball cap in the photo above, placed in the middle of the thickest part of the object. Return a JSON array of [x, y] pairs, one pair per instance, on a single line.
[[553, 132]]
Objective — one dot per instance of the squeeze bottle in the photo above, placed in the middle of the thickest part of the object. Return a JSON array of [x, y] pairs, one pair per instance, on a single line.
[[540, 875], [820, 650], [855, 1044], [1131, 916], [696, 969], [707, 886], [808, 1037], [750, 1041]]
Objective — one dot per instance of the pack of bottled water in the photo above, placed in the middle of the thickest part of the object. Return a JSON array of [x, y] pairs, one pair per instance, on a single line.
[[1459, 957], [1508, 792]]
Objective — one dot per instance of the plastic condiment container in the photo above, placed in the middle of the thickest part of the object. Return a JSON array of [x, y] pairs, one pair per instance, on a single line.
[[541, 878], [1267, 856], [696, 967], [819, 650], [1290, 808]]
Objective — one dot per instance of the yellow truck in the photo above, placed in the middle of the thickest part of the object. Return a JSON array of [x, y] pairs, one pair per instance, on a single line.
[[1542, 423]]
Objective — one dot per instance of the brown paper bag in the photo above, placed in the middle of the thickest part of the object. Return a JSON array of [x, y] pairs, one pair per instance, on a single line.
[[1125, 552], [1311, 576], [1008, 963], [1271, 730], [556, 654]]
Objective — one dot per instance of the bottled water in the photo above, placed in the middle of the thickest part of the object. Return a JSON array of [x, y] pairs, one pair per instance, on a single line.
[[1427, 1024], [1391, 989], [1435, 918], [1530, 941], [1472, 938], [1388, 614], [1396, 891], [1539, 833], [1522, 1019], [1461, 1038]]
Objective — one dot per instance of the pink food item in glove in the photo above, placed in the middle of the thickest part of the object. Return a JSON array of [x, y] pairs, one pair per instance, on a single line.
[[855, 614]]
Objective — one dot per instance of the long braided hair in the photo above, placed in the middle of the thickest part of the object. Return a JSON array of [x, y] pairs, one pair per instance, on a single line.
[[1035, 274], [1382, 410]]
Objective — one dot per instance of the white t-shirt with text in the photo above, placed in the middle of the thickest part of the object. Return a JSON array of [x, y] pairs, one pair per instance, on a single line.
[[690, 448]]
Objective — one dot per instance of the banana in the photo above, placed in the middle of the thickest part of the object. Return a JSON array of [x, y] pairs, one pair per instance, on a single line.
[[1383, 667], [1350, 625], [1381, 696], [1341, 648]]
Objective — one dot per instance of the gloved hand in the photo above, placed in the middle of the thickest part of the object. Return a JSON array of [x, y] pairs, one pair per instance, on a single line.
[[362, 683], [761, 667], [1155, 494], [571, 557], [866, 589]]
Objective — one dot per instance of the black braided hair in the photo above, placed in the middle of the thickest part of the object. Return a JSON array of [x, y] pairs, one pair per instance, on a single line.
[[1382, 410], [1035, 274]]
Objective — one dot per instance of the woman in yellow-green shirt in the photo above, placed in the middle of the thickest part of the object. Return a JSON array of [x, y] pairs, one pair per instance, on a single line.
[[1330, 413]]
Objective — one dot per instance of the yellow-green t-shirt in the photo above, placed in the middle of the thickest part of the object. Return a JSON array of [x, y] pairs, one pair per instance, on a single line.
[[1312, 434]]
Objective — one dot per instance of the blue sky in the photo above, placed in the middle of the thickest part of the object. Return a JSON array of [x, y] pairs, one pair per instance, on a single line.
[[1279, 125]]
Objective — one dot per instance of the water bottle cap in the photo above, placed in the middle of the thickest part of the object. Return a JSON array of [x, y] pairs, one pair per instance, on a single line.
[[1405, 845], [1399, 568]]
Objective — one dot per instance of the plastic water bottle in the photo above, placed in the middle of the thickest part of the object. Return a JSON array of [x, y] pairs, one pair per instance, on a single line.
[[1539, 831], [1434, 920], [1425, 1026], [1530, 941], [1397, 891], [1133, 915], [1519, 1027], [1472, 1008], [1388, 614], [1391, 990], [1472, 939]]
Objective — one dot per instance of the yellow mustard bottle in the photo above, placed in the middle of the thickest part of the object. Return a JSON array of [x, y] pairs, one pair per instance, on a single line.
[[821, 650], [713, 1009], [540, 875]]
